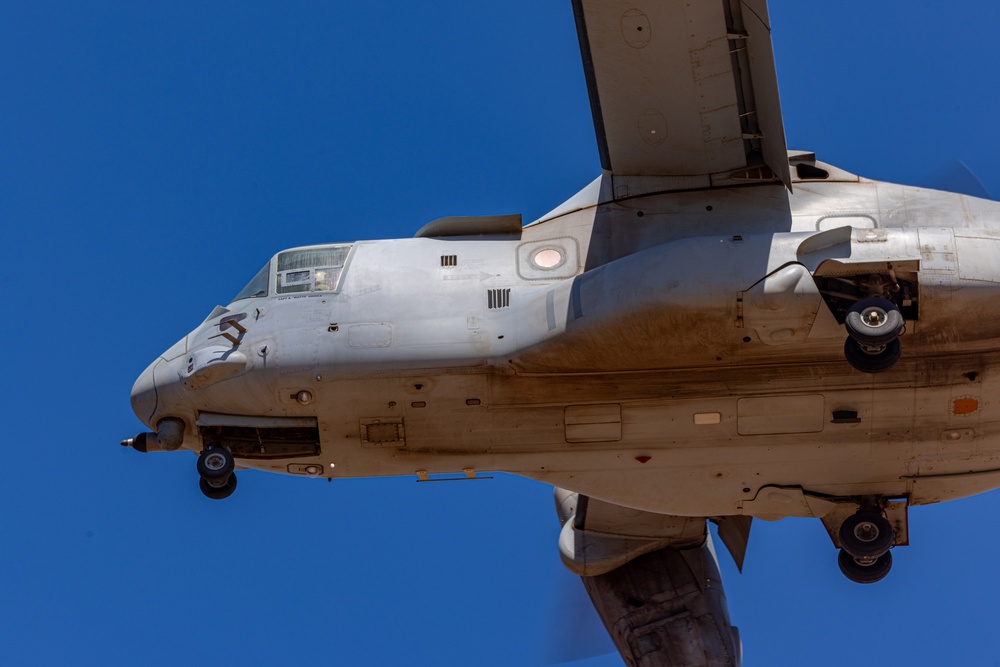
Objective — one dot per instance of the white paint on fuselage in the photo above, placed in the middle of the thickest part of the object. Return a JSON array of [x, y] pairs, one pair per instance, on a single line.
[[652, 327]]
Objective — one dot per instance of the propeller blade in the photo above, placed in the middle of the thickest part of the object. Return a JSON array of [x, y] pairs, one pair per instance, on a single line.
[[957, 177], [573, 630]]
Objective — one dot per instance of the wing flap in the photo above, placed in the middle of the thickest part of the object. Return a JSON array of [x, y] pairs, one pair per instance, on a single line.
[[760, 55]]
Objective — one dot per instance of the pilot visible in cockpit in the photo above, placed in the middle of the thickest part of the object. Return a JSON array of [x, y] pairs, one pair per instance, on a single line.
[[324, 281]]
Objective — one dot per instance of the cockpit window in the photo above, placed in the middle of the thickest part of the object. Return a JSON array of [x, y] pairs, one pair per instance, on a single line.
[[312, 269], [256, 287]]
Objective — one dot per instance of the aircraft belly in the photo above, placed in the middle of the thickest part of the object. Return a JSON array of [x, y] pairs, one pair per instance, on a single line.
[[689, 443]]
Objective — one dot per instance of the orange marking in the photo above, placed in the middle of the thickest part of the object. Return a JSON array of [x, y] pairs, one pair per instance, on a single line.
[[964, 406]]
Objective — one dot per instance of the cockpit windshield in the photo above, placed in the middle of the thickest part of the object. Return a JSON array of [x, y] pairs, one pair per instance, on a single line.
[[311, 269], [256, 287]]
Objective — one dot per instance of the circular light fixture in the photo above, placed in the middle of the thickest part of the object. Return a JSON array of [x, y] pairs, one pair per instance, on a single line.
[[547, 258]]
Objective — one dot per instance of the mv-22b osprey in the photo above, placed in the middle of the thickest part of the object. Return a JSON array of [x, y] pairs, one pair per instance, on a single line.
[[715, 329]]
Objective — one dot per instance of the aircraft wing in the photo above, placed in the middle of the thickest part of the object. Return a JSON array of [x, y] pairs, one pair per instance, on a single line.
[[683, 91]]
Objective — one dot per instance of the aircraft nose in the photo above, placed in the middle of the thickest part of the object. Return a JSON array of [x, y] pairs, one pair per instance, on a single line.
[[144, 395]]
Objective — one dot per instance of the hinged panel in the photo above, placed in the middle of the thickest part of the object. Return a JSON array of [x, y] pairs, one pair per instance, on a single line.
[[383, 432], [780, 414], [594, 423]]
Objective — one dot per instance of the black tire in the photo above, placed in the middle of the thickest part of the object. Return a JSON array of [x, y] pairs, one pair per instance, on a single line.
[[872, 363], [216, 463], [218, 492], [866, 535], [864, 574], [874, 321]]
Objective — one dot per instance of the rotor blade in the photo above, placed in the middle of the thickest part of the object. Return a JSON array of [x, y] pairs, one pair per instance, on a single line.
[[573, 630], [957, 177]]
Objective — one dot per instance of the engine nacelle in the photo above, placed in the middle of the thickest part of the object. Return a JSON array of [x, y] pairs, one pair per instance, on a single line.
[[668, 608], [598, 537], [662, 605]]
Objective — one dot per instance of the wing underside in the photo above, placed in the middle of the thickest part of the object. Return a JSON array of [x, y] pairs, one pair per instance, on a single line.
[[683, 92]]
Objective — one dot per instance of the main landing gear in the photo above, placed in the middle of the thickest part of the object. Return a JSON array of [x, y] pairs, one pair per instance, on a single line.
[[873, 327], [865, 540], [215, 465]]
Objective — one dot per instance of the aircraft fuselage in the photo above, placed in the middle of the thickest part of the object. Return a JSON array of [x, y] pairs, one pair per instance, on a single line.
[[674, 367]]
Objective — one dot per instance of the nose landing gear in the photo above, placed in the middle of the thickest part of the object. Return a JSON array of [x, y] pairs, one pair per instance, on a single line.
[[215, 466], [865, 540], [866, 535], [873, 327], [864, 570]]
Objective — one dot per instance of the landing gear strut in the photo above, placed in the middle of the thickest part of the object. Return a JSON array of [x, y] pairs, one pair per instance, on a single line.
[[865, 538], [873, 327], [215, 465]]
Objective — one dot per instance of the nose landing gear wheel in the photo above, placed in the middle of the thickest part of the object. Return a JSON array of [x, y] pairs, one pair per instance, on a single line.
[[864, 570], [215, 466], [866, 535], [224, 489], [215, 463]]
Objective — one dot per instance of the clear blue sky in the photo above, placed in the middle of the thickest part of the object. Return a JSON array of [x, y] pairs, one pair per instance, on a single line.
[[153, 156]]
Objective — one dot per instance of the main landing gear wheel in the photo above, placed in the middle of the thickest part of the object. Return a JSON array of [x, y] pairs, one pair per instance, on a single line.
[[864, 570], [882, 359], [874, 321], [873, 326], [215, 466], [866, 535]]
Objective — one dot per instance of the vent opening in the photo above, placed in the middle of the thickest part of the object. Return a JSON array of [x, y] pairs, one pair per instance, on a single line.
[[810, 171], [498, 298]]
